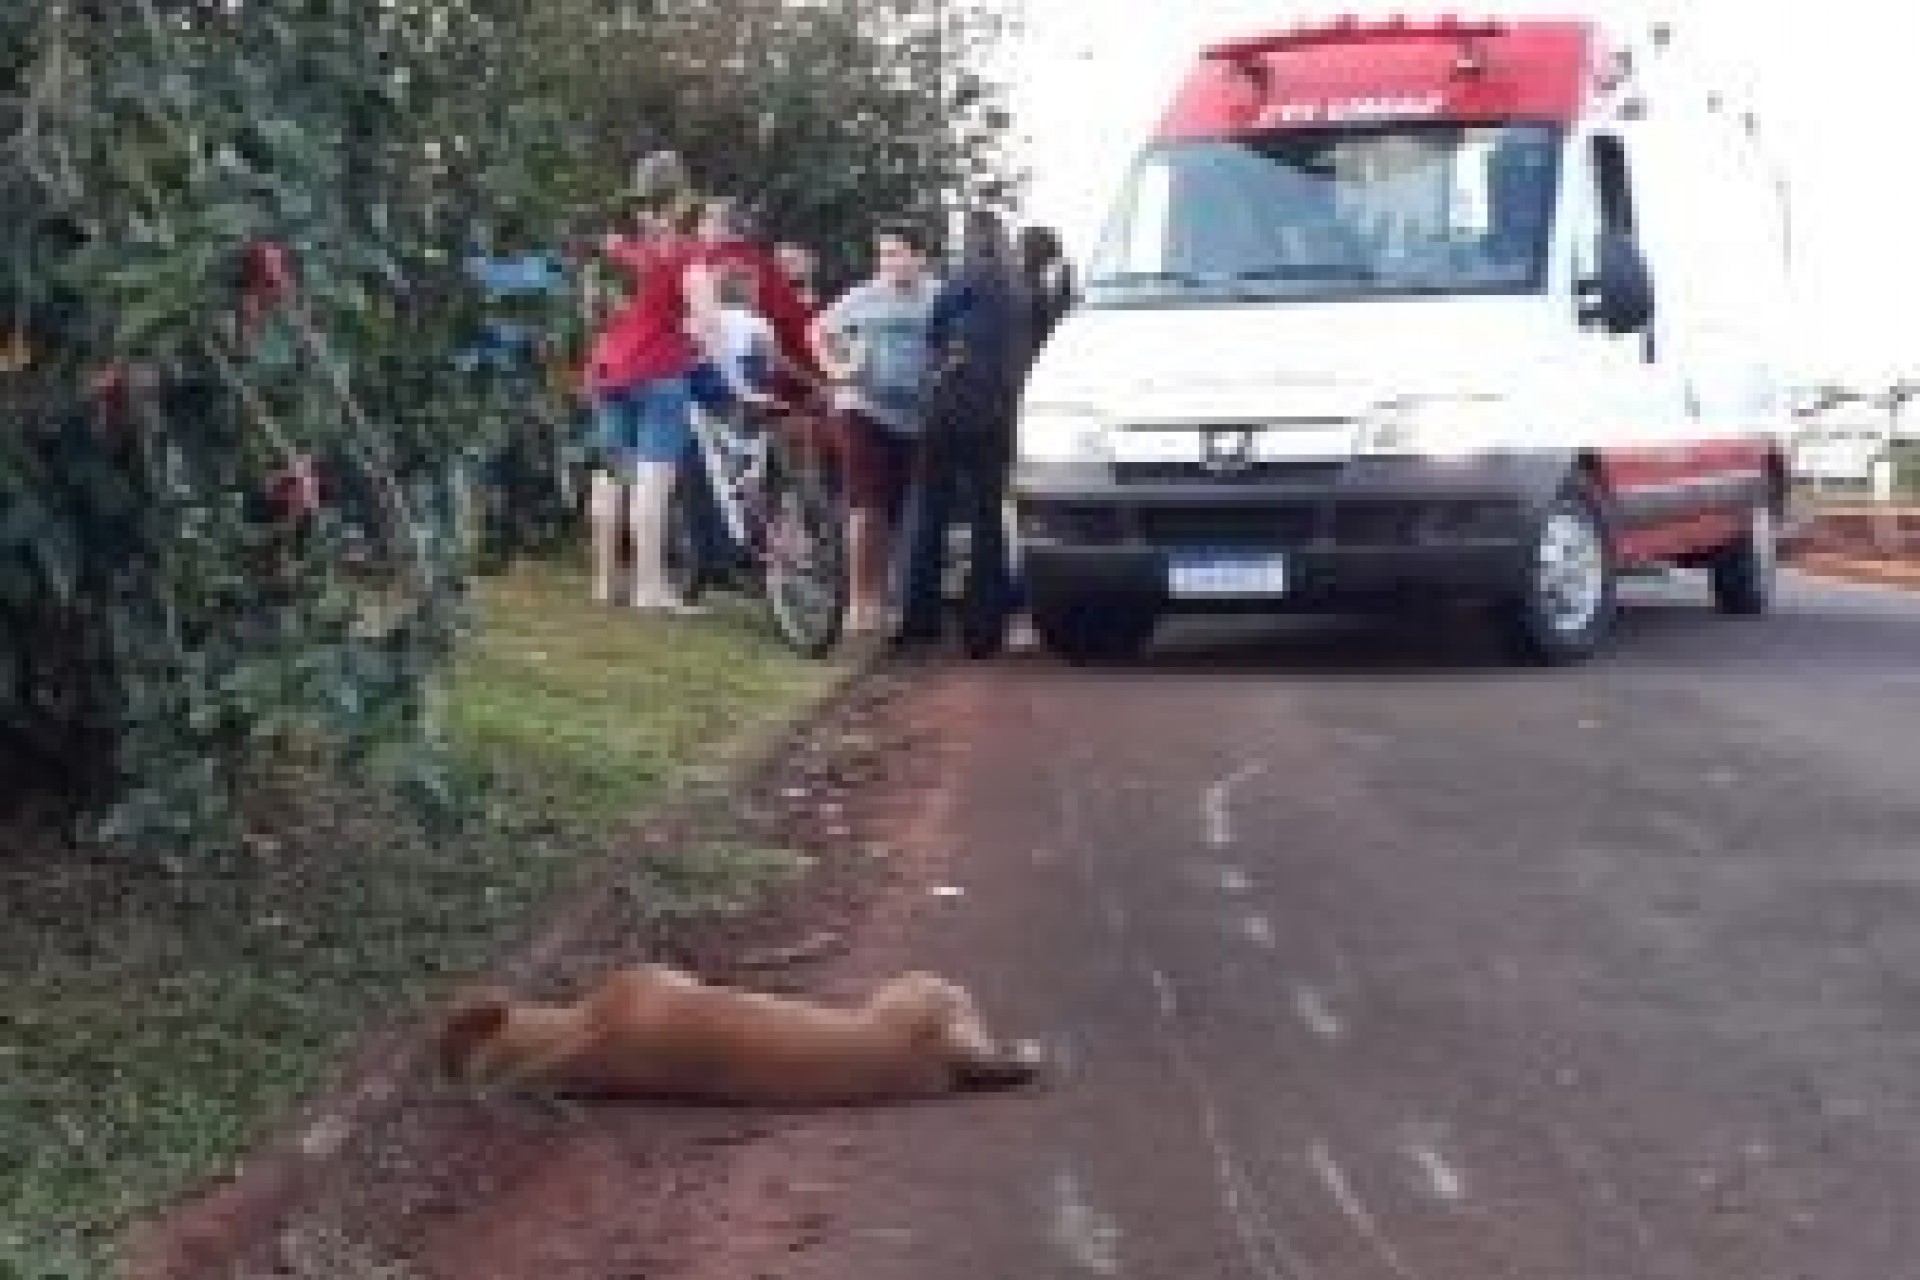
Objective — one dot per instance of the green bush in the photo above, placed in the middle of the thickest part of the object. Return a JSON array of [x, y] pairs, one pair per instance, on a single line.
[[171, 632], [1906, 462], [169, 627]]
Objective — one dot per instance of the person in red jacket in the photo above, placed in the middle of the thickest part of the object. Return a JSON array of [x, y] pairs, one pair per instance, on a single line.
[[638, 374]]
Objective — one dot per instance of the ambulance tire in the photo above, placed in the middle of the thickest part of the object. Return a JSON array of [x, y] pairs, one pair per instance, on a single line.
[[1564, 610], [1091, 632], [1746, 573]]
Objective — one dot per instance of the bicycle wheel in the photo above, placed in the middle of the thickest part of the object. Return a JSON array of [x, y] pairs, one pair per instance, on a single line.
[[806, 560]]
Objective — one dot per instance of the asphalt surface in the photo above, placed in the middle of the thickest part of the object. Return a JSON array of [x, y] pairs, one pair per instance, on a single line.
[[1367, 958]]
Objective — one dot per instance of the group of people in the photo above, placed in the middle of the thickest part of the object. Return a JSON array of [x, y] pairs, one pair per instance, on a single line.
[[915, 372]]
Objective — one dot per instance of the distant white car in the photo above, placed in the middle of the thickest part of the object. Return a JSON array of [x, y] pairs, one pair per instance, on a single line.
[[1839, 454]]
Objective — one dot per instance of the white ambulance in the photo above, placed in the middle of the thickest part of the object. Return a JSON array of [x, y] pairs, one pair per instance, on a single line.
[[1394, 309]]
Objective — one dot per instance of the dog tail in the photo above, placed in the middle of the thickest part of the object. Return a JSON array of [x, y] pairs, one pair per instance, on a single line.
[[1013, 1069], [475, 1018]]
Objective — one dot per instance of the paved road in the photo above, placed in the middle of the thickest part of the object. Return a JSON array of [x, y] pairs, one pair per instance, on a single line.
[[1372, 960]]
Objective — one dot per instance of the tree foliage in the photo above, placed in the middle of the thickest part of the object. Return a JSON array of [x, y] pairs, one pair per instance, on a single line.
[[822, 114], [176, 622]]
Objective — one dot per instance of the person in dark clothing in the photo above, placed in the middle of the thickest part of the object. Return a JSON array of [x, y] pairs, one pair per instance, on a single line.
[[1051, 294], [980, 339], [1043, 260]]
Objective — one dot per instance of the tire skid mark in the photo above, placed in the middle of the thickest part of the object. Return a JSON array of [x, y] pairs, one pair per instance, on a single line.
[[1263, 1249], [1216, 806], [1313, 1008], [1586, 1163], [1335, 1180], [1443, 1179], [1087, 1235], [1233, 880], [1257, 928]]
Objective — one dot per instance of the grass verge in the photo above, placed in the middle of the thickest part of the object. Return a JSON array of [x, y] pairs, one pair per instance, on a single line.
[[155, 1021]]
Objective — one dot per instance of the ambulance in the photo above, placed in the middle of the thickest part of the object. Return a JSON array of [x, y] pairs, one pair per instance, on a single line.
[[1397, 310]]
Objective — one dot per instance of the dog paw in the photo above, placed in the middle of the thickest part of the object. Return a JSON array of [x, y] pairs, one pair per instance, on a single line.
[[1028, 1053], [1019, 1064]]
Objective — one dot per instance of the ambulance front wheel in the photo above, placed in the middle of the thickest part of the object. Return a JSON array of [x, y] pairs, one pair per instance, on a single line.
[[1565, 607]]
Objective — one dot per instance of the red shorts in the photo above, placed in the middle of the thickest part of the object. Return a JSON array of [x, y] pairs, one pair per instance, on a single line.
[[877, 463]]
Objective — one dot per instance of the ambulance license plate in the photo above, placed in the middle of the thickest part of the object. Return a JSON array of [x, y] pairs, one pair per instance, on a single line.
[[1225, 575]]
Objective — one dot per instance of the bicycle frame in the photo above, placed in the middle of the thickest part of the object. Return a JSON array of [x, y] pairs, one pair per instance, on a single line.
[[732, 469]]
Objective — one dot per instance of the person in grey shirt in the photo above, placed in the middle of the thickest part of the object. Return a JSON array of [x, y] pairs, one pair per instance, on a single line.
[[872, 344]]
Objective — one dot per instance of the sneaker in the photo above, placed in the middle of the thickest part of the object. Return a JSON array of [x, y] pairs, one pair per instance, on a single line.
[[865, 621], [986, 643], [908, 644], [670, 605]]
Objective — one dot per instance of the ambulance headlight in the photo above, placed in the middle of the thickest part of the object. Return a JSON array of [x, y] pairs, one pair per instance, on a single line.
[[1438, 428], [1054, 433]]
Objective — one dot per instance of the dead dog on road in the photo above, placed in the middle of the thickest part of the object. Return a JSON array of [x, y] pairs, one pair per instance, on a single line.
[[659, 1033]]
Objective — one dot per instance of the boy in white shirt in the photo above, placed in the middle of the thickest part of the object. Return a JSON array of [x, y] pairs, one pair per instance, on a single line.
[[747, 350], [743, 352]]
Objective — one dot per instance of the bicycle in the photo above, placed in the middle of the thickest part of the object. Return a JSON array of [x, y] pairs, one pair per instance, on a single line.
[[757, 508]]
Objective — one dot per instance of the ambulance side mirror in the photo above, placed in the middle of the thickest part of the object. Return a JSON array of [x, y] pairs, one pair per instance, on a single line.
[[1618, 297]]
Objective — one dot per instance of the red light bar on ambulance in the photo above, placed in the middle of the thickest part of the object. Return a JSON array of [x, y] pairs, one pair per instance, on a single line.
[[1350, 31], [1355, 72]]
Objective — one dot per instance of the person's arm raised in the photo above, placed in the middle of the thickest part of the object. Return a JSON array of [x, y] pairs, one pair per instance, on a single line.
[[704, 326], [829, 345]]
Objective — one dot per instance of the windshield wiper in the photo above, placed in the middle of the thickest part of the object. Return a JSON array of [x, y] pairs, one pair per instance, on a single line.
[[1121, 279], [1307, 271], [1234, 282]]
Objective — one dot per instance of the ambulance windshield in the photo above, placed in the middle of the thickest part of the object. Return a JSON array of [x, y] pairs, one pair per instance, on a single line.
[[1316, 213]]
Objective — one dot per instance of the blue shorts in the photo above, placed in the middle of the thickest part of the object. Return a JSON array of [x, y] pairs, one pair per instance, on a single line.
[[651, 422], [709, 389]]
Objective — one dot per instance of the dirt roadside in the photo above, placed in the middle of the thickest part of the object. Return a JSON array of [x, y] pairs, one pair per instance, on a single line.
[[1861, 545], [392, 1175], [1861, 569]]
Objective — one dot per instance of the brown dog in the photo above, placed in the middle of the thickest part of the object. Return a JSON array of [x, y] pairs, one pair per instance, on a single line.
[[656, 1032]]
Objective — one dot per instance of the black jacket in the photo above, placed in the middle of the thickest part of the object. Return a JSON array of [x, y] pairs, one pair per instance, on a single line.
[[981, 333]]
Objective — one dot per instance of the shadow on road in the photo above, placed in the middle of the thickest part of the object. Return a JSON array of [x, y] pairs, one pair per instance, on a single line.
[[1818, 632], [1436, 647], [1859, 632]]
